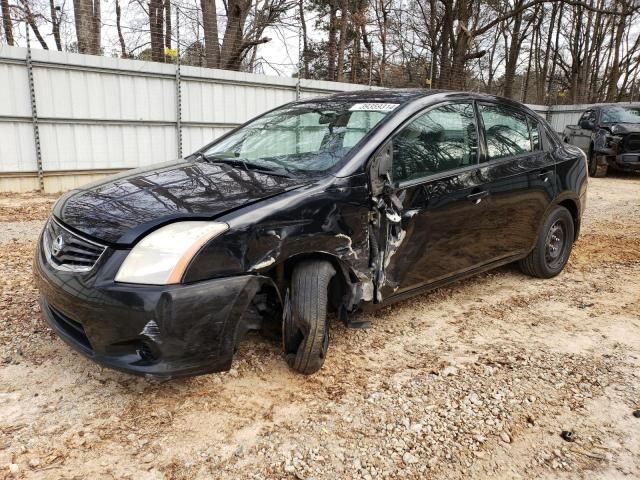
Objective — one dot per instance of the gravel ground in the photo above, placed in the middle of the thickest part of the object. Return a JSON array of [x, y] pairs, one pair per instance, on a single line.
[[475, 380]]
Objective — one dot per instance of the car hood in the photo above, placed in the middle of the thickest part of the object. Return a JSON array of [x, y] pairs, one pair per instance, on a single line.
[[119, 209], [624, 128]]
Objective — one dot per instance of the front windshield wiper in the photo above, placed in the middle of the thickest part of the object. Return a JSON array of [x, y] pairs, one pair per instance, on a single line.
[[241, 162]]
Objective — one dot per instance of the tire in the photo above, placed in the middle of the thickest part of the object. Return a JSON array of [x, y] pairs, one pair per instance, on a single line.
[[596, 170], [553, 245], [305, 330]]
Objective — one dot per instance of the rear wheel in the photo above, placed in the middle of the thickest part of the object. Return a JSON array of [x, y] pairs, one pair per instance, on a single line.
[[553, 245], [596, 170], [305, 330]]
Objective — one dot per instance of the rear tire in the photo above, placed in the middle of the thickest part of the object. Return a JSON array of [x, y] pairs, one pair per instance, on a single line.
[[596, 170], [553, 246], [305, 330]]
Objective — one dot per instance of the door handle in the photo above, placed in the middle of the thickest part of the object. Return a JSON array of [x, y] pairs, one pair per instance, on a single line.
[[477, 196]]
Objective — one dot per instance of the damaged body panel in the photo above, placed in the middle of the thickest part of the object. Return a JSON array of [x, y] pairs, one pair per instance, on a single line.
[[374, 196], [610, 137]]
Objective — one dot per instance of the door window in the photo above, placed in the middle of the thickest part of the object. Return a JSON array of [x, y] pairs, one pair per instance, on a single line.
[[506, 132], [444, 138], [588, 115]]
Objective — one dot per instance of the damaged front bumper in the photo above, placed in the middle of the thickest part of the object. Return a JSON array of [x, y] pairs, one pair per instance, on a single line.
[[157, 331], [626, 161]]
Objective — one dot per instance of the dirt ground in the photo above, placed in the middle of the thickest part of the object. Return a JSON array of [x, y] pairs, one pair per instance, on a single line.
[[475, 380]]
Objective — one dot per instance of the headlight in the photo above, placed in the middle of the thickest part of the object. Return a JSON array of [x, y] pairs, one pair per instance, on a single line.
[[161, 257]]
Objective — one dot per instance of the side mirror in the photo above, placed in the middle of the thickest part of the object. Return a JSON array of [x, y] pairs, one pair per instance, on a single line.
[[380, 172], [587, 124]]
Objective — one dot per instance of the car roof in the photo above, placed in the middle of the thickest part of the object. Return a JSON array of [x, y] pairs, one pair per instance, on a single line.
[[408, 95], [609, 105]]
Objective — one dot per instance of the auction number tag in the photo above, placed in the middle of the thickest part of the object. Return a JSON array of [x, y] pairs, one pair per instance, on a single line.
[[373, 107]]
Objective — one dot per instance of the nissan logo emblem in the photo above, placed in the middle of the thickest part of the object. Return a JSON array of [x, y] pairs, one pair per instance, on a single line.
[[58, 245]]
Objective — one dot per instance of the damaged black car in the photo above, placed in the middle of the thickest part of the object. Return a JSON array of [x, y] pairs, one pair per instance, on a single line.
[[610, 137], [318, 209]]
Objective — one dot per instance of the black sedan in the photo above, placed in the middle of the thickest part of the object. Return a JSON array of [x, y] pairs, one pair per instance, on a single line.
[[338, 204]]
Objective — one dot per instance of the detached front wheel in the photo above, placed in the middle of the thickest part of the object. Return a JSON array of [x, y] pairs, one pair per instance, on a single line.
[[305, 330], [595, 169], [553, 245]]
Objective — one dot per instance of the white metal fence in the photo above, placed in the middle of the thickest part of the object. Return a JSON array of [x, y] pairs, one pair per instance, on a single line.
[[96, 115]]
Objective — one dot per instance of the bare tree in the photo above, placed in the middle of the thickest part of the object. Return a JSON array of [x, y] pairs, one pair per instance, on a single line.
[[156, 29], [6, 22], [88, 26], [123, 46]]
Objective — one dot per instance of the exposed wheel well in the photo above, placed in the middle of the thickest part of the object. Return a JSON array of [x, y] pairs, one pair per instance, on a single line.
[[338, 286], [572, 206]]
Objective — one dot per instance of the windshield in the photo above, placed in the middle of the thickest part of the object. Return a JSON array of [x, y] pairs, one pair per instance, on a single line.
[[310, 137], [621, 114]]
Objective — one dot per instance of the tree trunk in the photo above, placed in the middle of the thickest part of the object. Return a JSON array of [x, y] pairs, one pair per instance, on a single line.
[[512, 55], [6, 22], [156, 27], [445, 55], [384, 28], [545, 65], [32, 23], [342, 45], [123, 47], [211, 41], [332, 47], [167, 23], [88, 26], [614, 72], [56, 17], [555, 55], [233, 43], [305, 48], [355, 56]]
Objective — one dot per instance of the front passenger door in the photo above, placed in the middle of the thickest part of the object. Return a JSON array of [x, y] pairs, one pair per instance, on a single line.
[[582, 136]]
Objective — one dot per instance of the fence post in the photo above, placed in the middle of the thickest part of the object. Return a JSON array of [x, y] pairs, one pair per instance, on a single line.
[[178, 87], [34, 114]]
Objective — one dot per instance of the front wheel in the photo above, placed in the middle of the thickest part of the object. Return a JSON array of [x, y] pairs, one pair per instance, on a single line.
[[305, 330], [596, 170], [553, 246]]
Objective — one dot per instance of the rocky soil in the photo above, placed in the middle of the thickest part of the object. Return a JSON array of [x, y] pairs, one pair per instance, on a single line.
[[475, 380]]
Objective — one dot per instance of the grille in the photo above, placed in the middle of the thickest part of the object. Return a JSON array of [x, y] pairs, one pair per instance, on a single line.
[[68, 251], [632, 143]]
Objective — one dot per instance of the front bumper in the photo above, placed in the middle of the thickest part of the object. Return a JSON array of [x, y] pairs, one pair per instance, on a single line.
[[158, 331], [628, 162]]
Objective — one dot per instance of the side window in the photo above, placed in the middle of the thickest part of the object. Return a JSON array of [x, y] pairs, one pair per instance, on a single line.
[[534, 129], [584, 116], [505, 131], [360, 122], [444, 138], [588, 115]]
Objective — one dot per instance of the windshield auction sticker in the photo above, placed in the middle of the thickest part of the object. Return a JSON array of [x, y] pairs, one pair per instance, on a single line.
[[373, 107]]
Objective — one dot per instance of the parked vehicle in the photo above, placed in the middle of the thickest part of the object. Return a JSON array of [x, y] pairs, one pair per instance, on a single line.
[[610, 136], [344, 203]]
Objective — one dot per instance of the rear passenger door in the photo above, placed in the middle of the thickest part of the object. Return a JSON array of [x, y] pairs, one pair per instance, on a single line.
[[520, 176]]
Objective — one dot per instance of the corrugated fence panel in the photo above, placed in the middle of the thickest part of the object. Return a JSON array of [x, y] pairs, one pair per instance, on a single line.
[[99, 146], [16, 147], [75, 94], [16, 132], [101, 113], [194, 137]]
